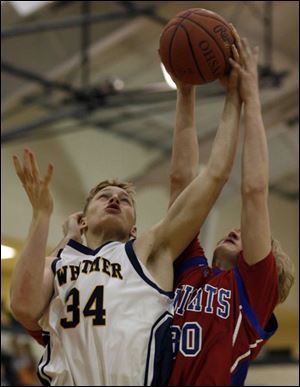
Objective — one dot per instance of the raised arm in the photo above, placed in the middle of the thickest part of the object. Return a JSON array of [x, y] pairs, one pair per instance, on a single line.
[[32, 279], [187, 214], [255, 222], [185, 149], [185, 152]]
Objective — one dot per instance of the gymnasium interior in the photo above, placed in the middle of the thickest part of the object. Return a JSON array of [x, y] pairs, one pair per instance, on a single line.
[[83, 87]]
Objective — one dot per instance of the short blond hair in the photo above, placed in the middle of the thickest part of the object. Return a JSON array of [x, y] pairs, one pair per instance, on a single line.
[[125, 185], [285, 269]]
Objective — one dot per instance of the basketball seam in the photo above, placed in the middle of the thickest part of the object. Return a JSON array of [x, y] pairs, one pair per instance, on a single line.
[[171, 44], [193, 54], [171, 25], [217, 43], [211, 17]]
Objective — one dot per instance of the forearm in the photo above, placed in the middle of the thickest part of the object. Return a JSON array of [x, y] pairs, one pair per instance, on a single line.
[[255, 150], [226, 140], [28, 295], [185, 152]]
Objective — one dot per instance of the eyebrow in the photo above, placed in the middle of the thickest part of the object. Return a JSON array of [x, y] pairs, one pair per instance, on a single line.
[[108, 190]]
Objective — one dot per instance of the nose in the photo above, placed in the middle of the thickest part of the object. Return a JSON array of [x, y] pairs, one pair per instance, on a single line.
[[234, 234], [114, 199]]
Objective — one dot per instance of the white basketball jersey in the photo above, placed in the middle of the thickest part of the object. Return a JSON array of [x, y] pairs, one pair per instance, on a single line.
[[102, 318]]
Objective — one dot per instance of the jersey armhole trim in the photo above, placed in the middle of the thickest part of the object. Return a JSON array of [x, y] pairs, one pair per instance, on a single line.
[[54, 262], [272, 323], [187, 264], [137, 266], [45, 360]]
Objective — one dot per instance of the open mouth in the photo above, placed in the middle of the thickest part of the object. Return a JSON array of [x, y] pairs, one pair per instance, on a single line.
[[113, 207], [230, 241]]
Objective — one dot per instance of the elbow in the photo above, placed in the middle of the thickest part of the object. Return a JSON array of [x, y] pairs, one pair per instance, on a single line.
[[181, 180], [23, 311], [220, 176], [257, 189]]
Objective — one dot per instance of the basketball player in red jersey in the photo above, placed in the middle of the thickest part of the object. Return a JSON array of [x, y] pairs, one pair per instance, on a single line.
[[223, 315]]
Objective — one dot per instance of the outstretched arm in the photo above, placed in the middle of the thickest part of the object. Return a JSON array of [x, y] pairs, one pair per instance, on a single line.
[[187, 214], [185, 149], [32, 279], [255, 223], [185, 152]]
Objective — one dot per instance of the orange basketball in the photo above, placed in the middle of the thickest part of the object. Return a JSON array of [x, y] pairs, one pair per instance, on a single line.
[[195, 46]]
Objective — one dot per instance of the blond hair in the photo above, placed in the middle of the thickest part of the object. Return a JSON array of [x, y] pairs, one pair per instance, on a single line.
[[126, 186], [285, 269]]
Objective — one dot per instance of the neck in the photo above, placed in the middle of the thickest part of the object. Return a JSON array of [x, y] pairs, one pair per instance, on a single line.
[[95, 240]]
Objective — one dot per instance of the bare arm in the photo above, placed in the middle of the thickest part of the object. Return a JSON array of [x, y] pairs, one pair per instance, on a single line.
[[185, 152], [185, 149], [255, 223], [187, 214], [32, 279]]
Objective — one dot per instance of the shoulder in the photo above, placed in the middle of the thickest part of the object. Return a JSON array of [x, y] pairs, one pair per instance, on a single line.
[[264, 264]]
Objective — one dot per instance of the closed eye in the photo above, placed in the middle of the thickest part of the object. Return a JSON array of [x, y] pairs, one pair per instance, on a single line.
[[105, 196]]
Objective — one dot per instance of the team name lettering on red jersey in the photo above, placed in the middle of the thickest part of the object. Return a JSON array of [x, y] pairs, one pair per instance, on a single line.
[[208, 299]]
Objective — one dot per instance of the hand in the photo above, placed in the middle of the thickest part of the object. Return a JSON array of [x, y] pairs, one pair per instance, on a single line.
[[230, 81], [182, 86], [247, 69], [72, 227], [36, 187]]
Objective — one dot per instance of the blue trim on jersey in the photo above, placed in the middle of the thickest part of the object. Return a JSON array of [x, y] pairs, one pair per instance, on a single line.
[[163, 355], [272, 324], [53, 264], [195, 261], [240, 373], [137, 266], [216, 270], [43, 377], [84, 249]]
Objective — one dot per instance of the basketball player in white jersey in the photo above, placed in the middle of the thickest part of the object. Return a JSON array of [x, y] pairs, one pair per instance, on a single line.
[[105, 303]]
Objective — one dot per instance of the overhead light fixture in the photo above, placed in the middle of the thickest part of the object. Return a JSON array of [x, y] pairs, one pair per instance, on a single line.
[[7, 252], [168, 78], [25, 8]]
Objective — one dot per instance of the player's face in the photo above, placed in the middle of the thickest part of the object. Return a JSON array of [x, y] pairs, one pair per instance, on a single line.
[[112, 209], [227, 250]]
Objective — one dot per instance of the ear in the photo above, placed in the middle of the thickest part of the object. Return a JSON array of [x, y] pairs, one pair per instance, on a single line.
[[133, 232], [83, 224]]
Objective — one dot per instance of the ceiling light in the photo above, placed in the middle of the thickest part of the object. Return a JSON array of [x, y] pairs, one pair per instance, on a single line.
[[7, 252], [25, 8]]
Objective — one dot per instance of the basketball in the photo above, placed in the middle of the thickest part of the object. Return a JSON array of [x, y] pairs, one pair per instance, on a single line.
[[195, 46]]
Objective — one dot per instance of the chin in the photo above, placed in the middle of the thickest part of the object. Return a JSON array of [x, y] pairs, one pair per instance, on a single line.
[[225, 257]]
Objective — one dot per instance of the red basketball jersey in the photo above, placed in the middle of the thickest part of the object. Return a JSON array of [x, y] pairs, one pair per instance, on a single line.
[[221, 318]]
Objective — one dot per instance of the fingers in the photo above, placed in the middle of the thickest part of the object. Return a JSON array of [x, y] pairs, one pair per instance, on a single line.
[[77, 214], [235, 65], [235, 53], [26, 166], [34, 167], [49, 174], [246, 47], [235, 35], [29, 171], [18, 168]]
